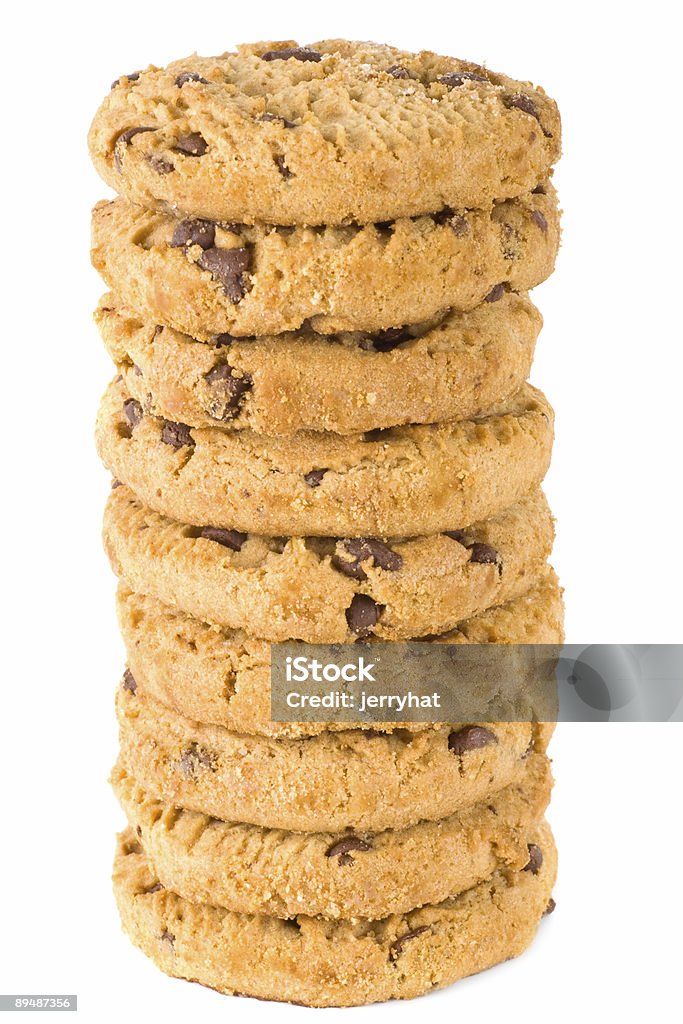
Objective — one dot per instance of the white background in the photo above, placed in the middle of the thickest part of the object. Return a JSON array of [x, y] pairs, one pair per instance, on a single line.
[[609, 359]]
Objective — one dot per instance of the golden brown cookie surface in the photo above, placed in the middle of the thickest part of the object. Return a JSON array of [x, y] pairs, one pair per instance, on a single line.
[[321, 590], [222, 676], [402, 481], [336, 132], [335, 875], [206, 279], [321, 963], [451, 368]]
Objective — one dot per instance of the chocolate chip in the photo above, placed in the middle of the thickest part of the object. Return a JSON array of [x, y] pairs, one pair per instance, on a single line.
[[115, 484], [344, 847], [362, 614], [195, 758], [398, 71], [176, 434], [479, 552], [282, 167], [223, 340], [483, 554], [454, 79], [189, 76], [550, 908], [361, 549], [314, 478], [128, 682], [293, 52], [276, 117], [496, 293], [193, 144], [123, 139], [136, 369], [535, 859], [227, 266], [396, 948], [157, 887], [538, 191], [228, 390], [194, 232], [232, 539], [539, 220], [470, 737], [132, 410], [169, 937], [130, 133], [132, 77], [520, 101]]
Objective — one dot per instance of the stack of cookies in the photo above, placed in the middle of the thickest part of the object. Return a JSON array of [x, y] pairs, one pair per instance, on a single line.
[[320, 431]]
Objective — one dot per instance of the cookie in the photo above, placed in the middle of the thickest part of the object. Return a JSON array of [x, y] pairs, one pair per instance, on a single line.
[[253, 870], [340, 131], [329, 782], [222, 676], [315, 589], [405, 481], [206, 279], [315, 962], [451, 368]]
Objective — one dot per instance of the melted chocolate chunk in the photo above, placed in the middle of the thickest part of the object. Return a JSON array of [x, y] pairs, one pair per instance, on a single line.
[[470, 737], [232, 539], [177, 435], [361, 549], [302, 53], [194, 232], [227, 266], [362, 614], [193, 144]]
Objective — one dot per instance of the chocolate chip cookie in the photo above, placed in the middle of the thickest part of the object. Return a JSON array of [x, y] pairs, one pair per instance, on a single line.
[[330, 782], [451, 368], [206, 278], [315, 962], [322, 590], [322, 134], [253, 870], [403, 481], [222, 676]]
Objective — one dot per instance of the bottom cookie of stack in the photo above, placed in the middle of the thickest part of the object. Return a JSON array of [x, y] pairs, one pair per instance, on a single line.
[[318, 962]]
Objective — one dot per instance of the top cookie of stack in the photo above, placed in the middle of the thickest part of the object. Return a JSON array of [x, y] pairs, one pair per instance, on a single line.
[[332, 133]]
